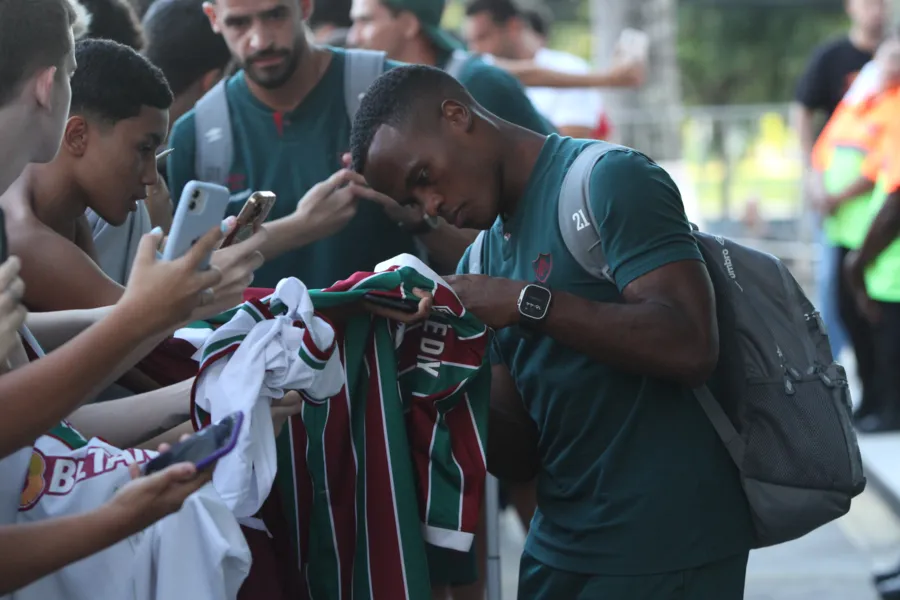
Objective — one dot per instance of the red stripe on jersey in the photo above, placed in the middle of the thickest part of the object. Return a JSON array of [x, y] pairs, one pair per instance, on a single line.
[[421, 419], [444, 296], [262, 308], [466, 449], [316, 352], [383, 535], [257, 293], [341, 473], [346, 284]]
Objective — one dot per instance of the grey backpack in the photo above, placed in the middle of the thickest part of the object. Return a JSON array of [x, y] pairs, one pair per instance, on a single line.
[[778, 400], [212, 122]]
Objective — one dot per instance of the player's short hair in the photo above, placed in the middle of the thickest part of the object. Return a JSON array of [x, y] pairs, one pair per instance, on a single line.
[[539, 20], [34, 35], [181, 43], [114, 20], [331, 12], [394, 98], [500, 11], [113, 82]]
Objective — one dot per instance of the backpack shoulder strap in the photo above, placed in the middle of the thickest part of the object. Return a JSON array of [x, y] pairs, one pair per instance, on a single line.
[[361, 68], [212, 128], [457, 61], [577, 223], [475, 254]]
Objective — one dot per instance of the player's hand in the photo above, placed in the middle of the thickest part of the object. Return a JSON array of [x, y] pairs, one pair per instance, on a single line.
[[163, 294], [426, 302], [346, 311], [329, 205], [492, 299], [12, 313], [855, 274], [409, 218], [284, 408]]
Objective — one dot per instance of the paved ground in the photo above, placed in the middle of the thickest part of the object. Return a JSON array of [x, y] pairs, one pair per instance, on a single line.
[[833, 563]]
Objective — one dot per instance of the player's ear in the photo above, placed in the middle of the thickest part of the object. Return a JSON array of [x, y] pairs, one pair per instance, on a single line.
[[457, 114]]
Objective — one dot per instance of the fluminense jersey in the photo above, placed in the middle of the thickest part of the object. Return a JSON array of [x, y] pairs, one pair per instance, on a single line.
[[396, 459]]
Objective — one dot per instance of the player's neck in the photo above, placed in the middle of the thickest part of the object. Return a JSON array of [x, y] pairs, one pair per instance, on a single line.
[[15, 149], [519, 150], [310, 68], [864, 40], [54, 197], [418, 52]]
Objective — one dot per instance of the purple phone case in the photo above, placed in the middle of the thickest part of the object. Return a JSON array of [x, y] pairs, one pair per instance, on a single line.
[[232, 442], [223, 450]]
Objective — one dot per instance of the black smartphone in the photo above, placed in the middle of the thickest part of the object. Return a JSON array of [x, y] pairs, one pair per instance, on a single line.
[[203, 448], [4, 247], [392, 302]]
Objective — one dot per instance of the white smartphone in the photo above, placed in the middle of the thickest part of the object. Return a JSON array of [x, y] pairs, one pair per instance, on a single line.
[[634, 45], [202, 207]]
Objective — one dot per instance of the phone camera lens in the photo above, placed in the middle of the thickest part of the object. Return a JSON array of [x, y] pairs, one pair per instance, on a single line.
[[192, 205]]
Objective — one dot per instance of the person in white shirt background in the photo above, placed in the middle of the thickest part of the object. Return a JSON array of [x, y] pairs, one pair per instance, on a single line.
[[503, 29]]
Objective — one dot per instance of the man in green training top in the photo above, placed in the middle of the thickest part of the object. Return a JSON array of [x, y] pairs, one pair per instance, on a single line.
[[290, 129], [410, 31], [637, 497]]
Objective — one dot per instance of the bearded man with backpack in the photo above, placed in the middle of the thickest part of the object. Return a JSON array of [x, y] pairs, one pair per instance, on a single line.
[[687, 403]]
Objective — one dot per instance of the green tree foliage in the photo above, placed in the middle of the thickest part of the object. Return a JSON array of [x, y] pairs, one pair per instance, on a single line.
[[747, 54]]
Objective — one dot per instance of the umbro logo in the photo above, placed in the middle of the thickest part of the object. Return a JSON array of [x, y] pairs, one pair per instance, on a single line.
[[213, 135]]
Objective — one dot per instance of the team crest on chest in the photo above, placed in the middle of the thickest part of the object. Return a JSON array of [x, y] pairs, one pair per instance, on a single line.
[[543, 265]]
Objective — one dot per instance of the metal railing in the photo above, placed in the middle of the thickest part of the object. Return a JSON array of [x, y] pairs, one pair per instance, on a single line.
[[739, 174]]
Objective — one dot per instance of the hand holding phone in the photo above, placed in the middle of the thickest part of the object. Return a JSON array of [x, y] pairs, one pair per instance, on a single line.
[[633, 45], [203, 448], [202, 207], [254, 213]]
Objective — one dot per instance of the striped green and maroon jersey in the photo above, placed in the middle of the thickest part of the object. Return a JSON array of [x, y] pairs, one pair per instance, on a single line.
[[396, 459]]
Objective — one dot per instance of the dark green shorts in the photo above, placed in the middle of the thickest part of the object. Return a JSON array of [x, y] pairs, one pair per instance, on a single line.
[[448, 567], [722, 580]]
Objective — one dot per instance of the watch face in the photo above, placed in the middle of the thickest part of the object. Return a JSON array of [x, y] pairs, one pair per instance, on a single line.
[[535, 302]]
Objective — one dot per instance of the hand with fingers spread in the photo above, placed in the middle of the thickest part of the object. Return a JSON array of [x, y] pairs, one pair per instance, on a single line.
[[330, 204], [411, 218], [12, 313], [166, 293]]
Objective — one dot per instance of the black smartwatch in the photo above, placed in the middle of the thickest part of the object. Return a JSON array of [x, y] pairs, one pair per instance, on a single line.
[[534, 305]]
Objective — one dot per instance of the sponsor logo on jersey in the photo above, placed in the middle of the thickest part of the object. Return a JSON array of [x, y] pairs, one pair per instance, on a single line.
[[431, 348], [59, 475]]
